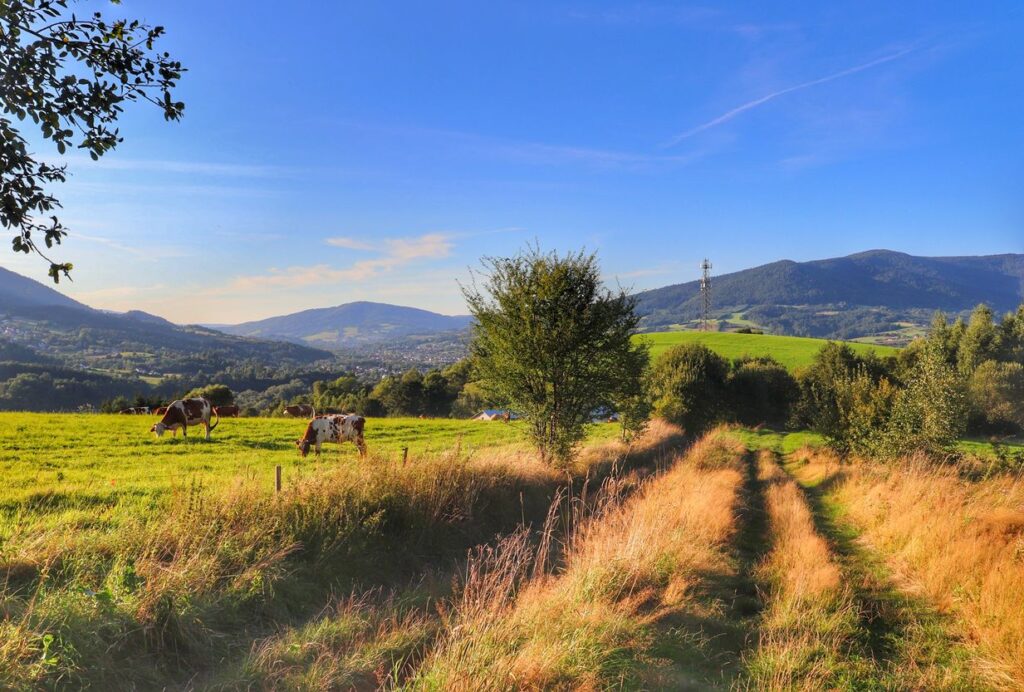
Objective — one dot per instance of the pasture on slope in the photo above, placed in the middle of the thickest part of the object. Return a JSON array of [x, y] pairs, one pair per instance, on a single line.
[[115, 457], [791, 351], [135, 579]]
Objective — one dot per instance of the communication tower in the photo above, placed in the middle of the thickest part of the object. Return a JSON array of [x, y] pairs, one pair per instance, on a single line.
[[705, 294]]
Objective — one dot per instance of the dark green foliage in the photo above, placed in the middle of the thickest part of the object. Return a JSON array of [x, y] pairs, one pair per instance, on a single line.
[[818, 406], [552, 343], [860, 405], [689, 385], [762, 391], [979, 342], [72, 77], [930, 413], [47, 387], [217, 394], [996, 395], [633, 400]]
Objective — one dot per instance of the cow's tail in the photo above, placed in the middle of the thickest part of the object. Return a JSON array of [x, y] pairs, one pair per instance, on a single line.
[[214, 409]]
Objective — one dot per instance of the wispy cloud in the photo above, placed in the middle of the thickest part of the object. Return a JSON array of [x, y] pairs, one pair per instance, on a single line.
[[396, 252], [146, 251], [533, 153], [601, 159], [349, 243], [749, 105]]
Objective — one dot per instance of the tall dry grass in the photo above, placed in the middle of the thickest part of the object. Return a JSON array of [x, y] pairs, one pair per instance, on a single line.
[[810, 617], [170, 594], [958, 542], [592, 623]]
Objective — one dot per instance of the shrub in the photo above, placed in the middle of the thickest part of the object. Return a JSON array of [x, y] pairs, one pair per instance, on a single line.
[[996, 393], [689, 387], [762, 391]]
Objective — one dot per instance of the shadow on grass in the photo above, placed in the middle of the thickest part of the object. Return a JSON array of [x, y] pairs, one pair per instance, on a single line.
[[894, 625], [706, 644]]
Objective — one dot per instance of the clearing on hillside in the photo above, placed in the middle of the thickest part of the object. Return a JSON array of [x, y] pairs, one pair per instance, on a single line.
[[790, 351]]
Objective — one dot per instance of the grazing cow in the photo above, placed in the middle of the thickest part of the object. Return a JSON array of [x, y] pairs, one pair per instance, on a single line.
[[226, 411], [300, 411], [135, 410], [183, 413], [160, 410], [340, 428]]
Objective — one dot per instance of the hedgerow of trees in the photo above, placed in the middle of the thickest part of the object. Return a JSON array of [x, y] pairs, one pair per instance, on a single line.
[[962, 378]]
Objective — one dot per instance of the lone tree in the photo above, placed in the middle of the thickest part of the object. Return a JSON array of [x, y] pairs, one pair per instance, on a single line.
[[553, 344], [71, 76]]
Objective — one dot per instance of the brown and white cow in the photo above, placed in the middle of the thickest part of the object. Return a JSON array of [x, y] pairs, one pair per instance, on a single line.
[[183, 413], [226, 411], [300, 411], [160, 410], [333, 428]]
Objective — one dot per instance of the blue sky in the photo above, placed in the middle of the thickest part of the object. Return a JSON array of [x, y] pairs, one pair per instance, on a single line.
[[373, 151]]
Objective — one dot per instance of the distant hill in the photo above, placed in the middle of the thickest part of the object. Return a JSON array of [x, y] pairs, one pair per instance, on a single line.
[[38, 322], [18, 292], [351, 324], [868, 293]]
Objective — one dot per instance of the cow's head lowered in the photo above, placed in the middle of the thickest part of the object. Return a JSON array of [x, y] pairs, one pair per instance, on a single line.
[[303, 445], [159, 428]]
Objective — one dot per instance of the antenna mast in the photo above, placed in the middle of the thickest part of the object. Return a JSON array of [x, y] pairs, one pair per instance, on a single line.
[[705, 294]]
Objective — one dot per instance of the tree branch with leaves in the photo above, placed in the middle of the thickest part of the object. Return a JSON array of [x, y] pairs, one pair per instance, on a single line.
[[71, 77]]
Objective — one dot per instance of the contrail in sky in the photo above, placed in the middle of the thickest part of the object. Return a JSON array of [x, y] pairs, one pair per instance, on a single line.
[[729, 115]]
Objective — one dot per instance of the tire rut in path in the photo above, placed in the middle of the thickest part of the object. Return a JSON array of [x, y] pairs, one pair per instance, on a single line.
[[735, 628], [906, 640]]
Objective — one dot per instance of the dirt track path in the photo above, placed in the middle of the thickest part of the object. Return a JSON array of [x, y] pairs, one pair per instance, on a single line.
[[900, 641]]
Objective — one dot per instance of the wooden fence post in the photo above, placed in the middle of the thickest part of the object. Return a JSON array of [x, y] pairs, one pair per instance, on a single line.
[[405, 455], [277, 479]]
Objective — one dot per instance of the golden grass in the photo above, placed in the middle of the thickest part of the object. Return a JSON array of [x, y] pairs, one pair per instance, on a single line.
[[593, 624], [171, 589], [809, 614], [957, 542]]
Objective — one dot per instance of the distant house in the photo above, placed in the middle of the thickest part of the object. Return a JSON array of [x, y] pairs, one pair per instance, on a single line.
[[496, 414]]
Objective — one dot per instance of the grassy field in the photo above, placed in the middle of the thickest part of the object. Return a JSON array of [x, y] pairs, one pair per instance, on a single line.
[[132, 562], [81, 462], [791, 351], [735, 561]]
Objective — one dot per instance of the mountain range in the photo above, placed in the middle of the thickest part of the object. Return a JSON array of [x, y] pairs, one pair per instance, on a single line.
[[872, 293], [350, 325], [864, 294], [38, 322]]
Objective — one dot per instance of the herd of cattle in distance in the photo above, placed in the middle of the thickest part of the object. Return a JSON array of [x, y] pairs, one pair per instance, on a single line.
[[331, 427]]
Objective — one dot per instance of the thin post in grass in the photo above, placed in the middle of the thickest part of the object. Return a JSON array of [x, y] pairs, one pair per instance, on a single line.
[[405, 455], [277, 478]]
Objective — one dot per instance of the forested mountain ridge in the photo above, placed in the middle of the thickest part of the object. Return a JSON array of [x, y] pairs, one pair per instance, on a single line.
[[858, 295], [351, 324], [37, 321]]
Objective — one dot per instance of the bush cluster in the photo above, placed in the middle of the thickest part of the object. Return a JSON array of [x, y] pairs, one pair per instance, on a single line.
[[964, 377]]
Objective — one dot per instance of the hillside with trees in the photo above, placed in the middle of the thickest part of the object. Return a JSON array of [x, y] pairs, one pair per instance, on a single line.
[[865, 294]]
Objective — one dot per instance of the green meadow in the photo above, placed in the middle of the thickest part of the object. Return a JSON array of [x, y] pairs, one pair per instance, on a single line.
[[92, 465], [791, 351]]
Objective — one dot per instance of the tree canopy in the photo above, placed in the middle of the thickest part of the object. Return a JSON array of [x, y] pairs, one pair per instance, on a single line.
[[553, 344], [71, 76]]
